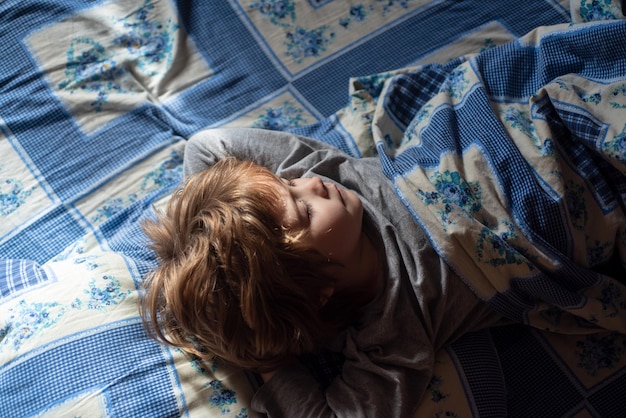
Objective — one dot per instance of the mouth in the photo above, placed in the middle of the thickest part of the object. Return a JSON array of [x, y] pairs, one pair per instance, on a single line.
[[340, 195]]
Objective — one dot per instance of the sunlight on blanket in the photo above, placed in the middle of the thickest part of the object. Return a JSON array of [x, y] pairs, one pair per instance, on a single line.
[[310, 33], [472, 41], [126, 55], [21, 196], [281, 111], [160, 172], [82, 331]]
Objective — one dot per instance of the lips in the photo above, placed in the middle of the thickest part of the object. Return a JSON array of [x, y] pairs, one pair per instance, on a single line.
[[340, 195]]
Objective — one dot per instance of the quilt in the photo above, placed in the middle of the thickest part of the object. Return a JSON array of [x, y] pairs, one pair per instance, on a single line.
[[96, 101], [517, 173], [520, 179]]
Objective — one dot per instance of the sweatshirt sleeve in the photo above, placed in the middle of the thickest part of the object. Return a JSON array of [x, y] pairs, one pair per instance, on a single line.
[[278, 151], [291, 392], [385, 374], [363, 390]]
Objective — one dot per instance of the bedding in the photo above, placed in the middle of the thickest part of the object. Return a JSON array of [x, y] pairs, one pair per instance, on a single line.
[[541, 229], [517, 173], [98, 97]]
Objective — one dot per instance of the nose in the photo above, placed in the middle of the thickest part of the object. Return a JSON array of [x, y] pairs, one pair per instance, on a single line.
[[316, 186]]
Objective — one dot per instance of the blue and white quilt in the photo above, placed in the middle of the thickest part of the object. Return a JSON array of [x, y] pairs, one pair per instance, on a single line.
[[97, 99], [514, 162]]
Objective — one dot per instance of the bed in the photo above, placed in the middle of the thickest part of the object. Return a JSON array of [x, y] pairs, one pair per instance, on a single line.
[[98, 97]]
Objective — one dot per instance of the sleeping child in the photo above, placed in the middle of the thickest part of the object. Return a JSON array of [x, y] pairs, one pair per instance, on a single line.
[[279, 245]]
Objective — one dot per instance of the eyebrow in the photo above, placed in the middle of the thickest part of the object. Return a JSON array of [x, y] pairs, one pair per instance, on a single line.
[[298, 211]]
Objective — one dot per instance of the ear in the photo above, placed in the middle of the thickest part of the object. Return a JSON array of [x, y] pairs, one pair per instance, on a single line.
[[325, 294]]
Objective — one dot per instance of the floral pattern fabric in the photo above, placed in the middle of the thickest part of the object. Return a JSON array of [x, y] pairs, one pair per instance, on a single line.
[[518, 195], [94, 291], [93, 67], [97, 99], [304, 41]]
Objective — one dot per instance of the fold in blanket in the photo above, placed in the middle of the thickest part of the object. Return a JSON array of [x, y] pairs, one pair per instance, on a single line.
[[513, 161]]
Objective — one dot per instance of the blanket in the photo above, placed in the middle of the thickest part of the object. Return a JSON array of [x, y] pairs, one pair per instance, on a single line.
[[97, 99], [517, 174], [517, 171]]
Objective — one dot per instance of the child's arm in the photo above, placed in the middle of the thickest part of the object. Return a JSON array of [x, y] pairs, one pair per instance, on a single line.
[[271, 149]]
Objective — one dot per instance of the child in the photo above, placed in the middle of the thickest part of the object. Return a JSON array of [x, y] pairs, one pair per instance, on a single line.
[[257, 268]]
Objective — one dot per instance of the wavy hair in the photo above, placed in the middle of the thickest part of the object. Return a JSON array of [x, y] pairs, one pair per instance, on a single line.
[[232, 282]]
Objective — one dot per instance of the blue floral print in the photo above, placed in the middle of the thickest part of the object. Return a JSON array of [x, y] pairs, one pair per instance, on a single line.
[[167, 174], [319, 3], [281, 118], [488, 44], [222, 397], [594, 98], [242, 414], [91, 68], [434, 387], [89, 261], [200, 366], [613, 302], [356, 13], [358, 106], [547, 150], [562, 84], [452, 191], [411, 131], [598, 252], [519, 120], [618, 93], [616, 147], [597, 352], [149, 40], [591, 10], [621, 90], [103, 296], [303, 43], [27, 319], [552, 315], [576, 205], [494, 247], [456, 83], [389, 5], [113, 206], [13, 194], [279, 12]]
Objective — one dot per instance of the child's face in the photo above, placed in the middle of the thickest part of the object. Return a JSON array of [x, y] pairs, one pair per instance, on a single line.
[[332, 215]]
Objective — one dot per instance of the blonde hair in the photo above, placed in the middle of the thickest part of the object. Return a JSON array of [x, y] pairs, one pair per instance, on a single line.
[[232, 282]]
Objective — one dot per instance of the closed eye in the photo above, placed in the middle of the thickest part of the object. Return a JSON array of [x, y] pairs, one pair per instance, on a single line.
[[309, 210], [307, 206]]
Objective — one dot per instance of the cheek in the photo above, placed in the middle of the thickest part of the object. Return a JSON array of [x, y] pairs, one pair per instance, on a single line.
[[340, 238]]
